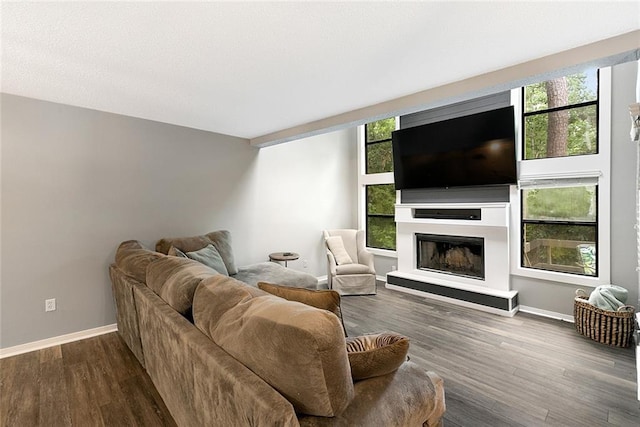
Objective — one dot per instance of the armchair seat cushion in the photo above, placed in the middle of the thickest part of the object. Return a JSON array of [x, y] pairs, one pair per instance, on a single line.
[[354, 269]]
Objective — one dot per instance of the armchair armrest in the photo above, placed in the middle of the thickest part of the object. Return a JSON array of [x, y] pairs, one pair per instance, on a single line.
[[366, 258], [331, 262]]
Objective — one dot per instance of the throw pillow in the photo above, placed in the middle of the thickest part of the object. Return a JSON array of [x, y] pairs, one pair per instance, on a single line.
[[325, 299], [173, 251], [210, 257], [376, 355], [221, 239], [336, 246]]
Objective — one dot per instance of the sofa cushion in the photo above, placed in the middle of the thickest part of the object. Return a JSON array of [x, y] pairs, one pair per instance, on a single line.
[[325, 299], [377, 354], [175, 279], [336, 246], [275, 273], [299, 350], [354, 269], [210, 257], [133, 258], [220, 239]]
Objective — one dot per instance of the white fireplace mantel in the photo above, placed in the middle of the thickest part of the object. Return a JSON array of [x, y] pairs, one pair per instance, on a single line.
[[492, 214], [489, 221]]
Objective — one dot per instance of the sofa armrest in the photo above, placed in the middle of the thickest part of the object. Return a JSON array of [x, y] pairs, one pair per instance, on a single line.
[[409, 396]]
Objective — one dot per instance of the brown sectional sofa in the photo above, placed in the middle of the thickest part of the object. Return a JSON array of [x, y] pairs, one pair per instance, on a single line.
[[250, 358]]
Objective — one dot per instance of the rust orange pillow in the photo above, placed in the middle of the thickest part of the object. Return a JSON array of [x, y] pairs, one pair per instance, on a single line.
[[325, 299]]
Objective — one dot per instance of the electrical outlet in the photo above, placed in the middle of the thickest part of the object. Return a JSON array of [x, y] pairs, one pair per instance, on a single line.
[[305, 263], [50, 304], [393, 268]]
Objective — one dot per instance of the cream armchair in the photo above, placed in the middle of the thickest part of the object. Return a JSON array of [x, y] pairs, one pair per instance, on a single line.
[[350, 265]]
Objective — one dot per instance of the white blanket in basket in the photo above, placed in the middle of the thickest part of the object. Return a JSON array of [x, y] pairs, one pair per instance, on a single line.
[[608, 297]]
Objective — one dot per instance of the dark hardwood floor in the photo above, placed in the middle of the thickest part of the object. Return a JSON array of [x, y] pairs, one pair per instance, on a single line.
[[498, 371], [520, 371], [93, 382]]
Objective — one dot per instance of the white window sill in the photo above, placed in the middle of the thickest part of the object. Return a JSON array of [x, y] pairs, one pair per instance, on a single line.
[[383, 252], [560, 278]]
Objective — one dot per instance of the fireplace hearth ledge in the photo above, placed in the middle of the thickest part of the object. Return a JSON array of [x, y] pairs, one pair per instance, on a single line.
[[503, 303]]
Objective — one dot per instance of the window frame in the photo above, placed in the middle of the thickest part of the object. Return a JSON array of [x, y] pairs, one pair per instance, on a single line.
[[579, 167], [365, 179]]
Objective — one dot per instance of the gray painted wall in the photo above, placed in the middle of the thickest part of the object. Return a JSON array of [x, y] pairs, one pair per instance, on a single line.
[[624, 258], [77, 182]]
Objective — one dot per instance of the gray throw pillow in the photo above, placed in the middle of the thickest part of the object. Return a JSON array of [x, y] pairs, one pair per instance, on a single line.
[[210, 257], [173, 251]]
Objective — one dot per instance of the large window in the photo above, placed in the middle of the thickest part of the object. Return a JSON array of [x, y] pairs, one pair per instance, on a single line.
[[560, 229], [560, 117], [381, 225], [377, 185], [378, 146], [562, 175]]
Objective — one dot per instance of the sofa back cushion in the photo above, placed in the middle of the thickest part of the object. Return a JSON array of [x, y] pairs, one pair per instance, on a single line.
[[297, 349], [221, 239], [175, 280], [133, 258]]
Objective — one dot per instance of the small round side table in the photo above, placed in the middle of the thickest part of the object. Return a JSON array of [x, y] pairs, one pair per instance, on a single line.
[[284, 256]]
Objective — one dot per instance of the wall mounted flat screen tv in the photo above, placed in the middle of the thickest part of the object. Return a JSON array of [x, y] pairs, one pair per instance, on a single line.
[[478, 149]]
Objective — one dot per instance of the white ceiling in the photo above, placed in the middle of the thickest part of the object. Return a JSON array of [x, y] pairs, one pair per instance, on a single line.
[[251, 69]]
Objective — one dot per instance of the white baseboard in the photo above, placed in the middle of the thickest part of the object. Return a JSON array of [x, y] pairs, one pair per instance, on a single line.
[[547, 313], [381, 278], [62, 339]]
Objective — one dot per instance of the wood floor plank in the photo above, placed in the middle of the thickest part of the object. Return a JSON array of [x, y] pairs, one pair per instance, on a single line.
[[144, 402], [21, 403], [51, 353], [7, 377], [54, 403], [84, 410]]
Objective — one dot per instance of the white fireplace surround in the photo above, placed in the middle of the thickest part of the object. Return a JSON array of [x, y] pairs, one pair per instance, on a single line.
[[492, 226]]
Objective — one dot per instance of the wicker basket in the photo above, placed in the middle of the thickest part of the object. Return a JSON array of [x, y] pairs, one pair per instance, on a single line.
[[614, 328]]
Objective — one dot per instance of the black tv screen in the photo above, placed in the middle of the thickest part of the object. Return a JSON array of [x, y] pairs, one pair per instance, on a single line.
[[477, 149]]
